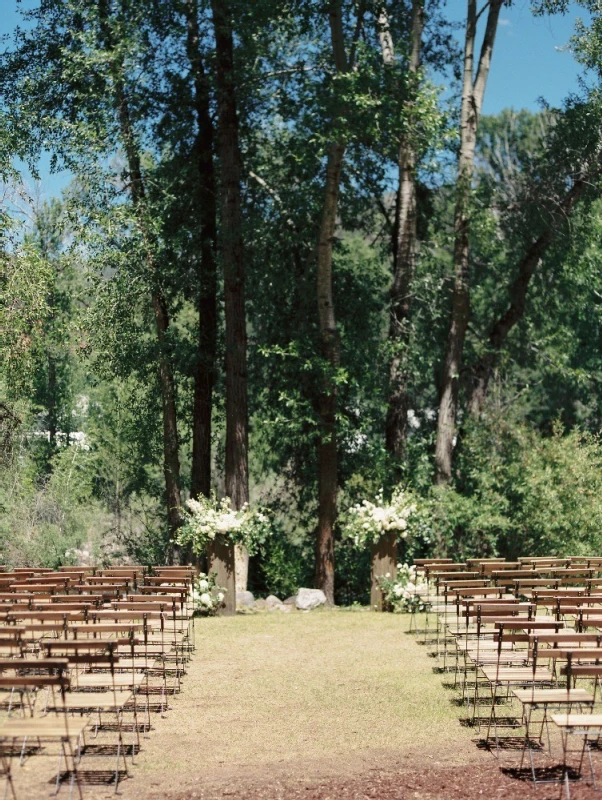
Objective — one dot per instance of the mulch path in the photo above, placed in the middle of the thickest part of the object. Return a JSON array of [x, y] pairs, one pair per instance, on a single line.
[[468, 782]]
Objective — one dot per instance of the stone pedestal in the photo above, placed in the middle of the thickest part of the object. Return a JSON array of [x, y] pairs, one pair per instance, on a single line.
[[383, 559], [241, 567], [220, 558]]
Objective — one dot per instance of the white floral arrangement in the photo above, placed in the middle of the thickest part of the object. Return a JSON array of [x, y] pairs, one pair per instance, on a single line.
[[207, 596], [406, 592], [367, 521], [208, 518]]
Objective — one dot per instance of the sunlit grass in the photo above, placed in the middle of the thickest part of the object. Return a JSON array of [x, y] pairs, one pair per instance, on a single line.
[[288, 691]]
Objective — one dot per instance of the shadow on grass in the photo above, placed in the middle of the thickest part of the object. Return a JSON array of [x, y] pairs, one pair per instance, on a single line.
[[93, 777], [551, 774], [108, 750], [506, 743]]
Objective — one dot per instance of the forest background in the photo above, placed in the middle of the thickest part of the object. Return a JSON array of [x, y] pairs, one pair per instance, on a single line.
[[295, 265]]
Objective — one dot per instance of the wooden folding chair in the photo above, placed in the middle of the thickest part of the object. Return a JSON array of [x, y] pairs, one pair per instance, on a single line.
[[50, 673]]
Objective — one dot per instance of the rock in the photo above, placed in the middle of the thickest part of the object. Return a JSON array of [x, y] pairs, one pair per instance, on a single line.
[[245, 599], [290, 601], [272, 601], [281, 607], [309, 598], [260, 605]]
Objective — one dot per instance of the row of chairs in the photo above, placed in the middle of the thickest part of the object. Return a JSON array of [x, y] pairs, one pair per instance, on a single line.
[[523, 643], [85, 654]]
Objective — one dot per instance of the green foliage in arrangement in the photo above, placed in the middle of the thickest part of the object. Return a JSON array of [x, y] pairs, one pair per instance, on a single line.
[[208, 519]]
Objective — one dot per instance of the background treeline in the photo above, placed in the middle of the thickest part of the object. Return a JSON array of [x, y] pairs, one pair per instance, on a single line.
[[295, 265]]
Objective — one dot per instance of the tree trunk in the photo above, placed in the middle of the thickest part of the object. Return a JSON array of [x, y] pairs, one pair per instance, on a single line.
[[383, 555], [171, 459], [329, 340], [204, 376], [473, 91], [327, 402], [404, 256], [329, 335], [518, 296], [237, 470]]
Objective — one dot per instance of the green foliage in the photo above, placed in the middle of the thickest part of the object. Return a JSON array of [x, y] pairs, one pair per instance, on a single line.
[[42, 522], [281, 566], [520, 492], [207, 519], [79, 351], [25, 278]]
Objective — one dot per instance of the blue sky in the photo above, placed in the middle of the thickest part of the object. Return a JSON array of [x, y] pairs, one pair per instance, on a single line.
[[530, 60]]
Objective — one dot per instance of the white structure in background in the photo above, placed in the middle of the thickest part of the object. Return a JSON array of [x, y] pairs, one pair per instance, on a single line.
[[73, 438]]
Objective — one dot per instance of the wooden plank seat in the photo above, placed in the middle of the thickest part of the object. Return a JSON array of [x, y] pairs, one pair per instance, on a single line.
[[582, 725], [535, 699], [64, 730], [112, 698]]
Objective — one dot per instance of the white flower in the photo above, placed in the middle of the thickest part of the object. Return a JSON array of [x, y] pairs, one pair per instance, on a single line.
[[206, 599], [220, 597], [203, 585], [194, 506], [387, 574], [398, 591]]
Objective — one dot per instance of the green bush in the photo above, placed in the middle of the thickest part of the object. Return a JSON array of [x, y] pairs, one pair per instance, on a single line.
[[518, 492]]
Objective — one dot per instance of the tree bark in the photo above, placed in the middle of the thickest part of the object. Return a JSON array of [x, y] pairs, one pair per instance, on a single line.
[[237, 470], [473, 90], [404, 258], [518, 295], [329, 339], [171, 458], [327, 401], [204, 376]]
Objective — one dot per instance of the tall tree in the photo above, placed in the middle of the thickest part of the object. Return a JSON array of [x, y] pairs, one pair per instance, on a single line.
[[138, 193], [329, 334], [473, 91], [232, 254], [404, 249], [204, 377], [547, 193]]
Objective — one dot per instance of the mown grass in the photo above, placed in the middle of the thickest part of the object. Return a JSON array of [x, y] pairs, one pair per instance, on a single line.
[[303, 693]]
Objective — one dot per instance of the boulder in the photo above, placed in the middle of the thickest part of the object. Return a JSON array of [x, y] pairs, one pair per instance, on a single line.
[[309, 598], [290, 601], [272, 601], [260, 605], [245, 599]]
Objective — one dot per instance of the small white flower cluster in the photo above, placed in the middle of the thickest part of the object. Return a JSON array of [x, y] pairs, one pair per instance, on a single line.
[[406, 591], [207, 518], [368, 521], [207, 596]]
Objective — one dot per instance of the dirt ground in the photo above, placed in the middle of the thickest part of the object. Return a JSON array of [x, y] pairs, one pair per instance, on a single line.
[[331, 704]]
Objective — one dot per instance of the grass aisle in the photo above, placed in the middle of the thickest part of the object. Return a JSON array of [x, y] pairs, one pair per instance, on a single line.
[[301, 698]]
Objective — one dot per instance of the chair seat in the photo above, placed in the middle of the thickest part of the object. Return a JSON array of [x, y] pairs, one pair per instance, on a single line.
[[578, 720], [98, 680], [493, 658], [106, 701], [520, 674], [43, 727], [553, 696]]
